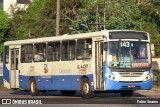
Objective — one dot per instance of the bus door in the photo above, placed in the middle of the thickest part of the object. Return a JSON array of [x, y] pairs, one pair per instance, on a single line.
[[98, 65], [14, 73]]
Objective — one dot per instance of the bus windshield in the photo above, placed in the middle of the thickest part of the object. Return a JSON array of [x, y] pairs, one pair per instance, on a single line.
[[128, 54]]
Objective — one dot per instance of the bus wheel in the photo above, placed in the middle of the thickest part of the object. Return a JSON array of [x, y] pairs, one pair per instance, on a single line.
[[126, 93], [33, 88], [68, 93], [86, 89]]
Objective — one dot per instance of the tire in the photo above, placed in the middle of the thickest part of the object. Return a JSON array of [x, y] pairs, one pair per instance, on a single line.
[[126, 93], [33, 88], [68, 93], [86, 88]]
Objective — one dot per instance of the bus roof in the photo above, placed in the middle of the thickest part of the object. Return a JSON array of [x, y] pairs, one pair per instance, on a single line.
[[56, 38], [62, 37]]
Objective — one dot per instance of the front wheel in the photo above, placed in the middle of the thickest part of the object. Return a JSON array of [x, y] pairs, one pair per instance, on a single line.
[[86, 89], [126, 93]]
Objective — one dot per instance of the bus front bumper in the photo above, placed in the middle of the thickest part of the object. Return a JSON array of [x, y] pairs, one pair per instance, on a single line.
[[115, 85]]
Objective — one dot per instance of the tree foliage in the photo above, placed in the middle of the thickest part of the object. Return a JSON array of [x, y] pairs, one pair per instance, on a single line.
[[4, 27], [151, 21], [38, 21], [125, 15], [78, 16]]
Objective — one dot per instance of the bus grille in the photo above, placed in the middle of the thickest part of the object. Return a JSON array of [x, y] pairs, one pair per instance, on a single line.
[[131, 74]]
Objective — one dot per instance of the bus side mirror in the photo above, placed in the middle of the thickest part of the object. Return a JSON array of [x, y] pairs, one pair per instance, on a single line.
[[105, 46]]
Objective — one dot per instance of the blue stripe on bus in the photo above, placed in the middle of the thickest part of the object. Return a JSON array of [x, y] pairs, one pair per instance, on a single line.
[[6, 74], [62, 82]]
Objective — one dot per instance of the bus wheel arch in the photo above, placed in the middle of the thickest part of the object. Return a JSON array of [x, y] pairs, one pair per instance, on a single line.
[[85, 86], [81, 79]]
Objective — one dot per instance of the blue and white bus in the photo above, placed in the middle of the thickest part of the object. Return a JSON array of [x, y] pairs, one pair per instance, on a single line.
[[102, 61]]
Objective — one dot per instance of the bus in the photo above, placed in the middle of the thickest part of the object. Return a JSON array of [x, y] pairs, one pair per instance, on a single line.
[[102, 61]]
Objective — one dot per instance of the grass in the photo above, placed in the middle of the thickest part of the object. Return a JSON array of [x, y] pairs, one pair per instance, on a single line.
[[2, 88], [156, 87]]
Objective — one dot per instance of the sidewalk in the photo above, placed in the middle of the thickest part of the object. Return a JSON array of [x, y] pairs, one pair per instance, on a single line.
[[154, 90]]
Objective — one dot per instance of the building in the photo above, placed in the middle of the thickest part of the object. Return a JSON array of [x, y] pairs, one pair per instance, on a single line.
[[19, 3]]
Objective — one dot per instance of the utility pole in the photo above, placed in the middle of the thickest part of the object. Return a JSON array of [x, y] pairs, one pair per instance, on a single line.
[[104, 15], [57, 17], [97, 17]]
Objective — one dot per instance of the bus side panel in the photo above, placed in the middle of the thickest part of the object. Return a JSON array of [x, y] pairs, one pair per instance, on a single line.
[[6, 75], [63, 82], [66, 82], [24, 82]]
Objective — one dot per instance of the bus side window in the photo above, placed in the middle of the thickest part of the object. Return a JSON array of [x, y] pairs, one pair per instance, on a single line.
[[53, 51], [39, 52], [26, 53], [84, 48], [68, 50]]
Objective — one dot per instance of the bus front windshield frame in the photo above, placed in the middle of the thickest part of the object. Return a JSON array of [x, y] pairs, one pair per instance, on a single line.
[[128, 54]]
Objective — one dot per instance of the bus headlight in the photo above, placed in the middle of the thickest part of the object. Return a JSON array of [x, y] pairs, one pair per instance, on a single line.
[[148, 77], [112, 77]]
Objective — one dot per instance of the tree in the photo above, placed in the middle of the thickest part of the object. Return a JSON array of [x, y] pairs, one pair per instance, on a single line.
[[124, 15], [150, 15], [4, 28], [16, 19], [38, 20], [78, 16]]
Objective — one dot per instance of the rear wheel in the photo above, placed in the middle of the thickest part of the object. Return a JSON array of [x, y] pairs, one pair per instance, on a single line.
[[86, 89], [68, 93], [33, 88], [126, 93]]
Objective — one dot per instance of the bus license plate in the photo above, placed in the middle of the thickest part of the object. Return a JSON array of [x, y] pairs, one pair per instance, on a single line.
[[131, 86]]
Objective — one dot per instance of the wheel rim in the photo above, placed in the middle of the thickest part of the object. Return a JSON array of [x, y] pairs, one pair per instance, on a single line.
[[86, 88], [32, 86]]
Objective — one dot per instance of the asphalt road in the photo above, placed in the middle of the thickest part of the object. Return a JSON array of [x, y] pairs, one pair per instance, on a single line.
[[139, 98]]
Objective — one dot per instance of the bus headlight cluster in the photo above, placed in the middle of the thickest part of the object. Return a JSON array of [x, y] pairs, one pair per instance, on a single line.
[[111, 77], [148, 77]]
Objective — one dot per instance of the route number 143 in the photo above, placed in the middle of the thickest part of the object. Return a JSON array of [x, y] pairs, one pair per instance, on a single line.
[[125, 44]]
